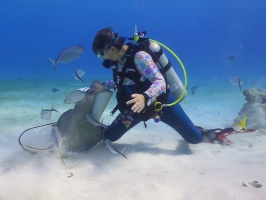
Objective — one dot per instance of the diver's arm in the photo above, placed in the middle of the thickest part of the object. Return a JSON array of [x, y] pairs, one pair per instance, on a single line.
[[148, 68]]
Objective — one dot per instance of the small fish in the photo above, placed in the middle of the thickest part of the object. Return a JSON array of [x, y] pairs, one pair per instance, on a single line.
[[193, 89], [78, 75], [92, 120], [46, 113], [231, 58], [76, 95], [55, 90], [241, 124], [67, 55], [111, 147], [235, 81]]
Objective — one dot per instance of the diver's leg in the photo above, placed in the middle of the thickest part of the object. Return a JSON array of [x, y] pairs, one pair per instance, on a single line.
[[123, 122], [175, 117]]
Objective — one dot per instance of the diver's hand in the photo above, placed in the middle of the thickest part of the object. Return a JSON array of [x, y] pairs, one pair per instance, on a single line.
[[139, 102]]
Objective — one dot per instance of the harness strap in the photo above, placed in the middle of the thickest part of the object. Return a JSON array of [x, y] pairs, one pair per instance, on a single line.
[[114, 110], [151, 111]]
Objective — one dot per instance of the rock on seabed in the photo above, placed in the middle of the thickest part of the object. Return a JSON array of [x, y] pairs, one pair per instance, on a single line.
[[254, 108]]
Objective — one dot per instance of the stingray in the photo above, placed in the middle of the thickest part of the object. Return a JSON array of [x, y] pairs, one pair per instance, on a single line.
[[78, 133], [72, 132]]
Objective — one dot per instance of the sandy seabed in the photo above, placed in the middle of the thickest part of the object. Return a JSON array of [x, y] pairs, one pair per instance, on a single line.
[[160, 164]]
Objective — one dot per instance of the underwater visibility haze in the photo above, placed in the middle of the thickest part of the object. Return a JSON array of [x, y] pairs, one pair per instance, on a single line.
[[214, 39], [47, 65]]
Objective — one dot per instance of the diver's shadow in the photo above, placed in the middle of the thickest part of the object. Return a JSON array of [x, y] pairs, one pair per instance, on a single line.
[[99, 156], [182, 148]]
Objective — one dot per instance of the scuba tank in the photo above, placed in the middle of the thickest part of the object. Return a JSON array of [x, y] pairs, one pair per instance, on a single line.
[[175, 85]]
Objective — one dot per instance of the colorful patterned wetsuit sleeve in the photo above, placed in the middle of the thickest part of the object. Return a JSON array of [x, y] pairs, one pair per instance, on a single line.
[[149, 70], [110, 84]]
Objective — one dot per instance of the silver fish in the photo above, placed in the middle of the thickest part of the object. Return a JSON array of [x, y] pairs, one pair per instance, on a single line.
[[80, 135], [76, 95], [46, 113], [78, 74], [68, 54], [111, 147], [92, 120], [235, 81]]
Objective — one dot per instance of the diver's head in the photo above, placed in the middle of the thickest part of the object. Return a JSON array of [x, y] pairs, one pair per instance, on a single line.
[[105, 40]]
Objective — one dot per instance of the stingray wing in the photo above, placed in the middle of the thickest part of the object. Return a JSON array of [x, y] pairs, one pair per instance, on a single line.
[[100, 103]]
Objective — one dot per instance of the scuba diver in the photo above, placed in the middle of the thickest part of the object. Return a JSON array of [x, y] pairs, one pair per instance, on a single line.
[[144, 80], [147, 87]]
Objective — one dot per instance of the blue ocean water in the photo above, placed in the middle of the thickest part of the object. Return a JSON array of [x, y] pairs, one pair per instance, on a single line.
[[202, 33], [205, 34]]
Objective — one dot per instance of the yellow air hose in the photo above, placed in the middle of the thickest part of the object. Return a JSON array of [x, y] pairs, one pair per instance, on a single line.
[[183, 69]]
